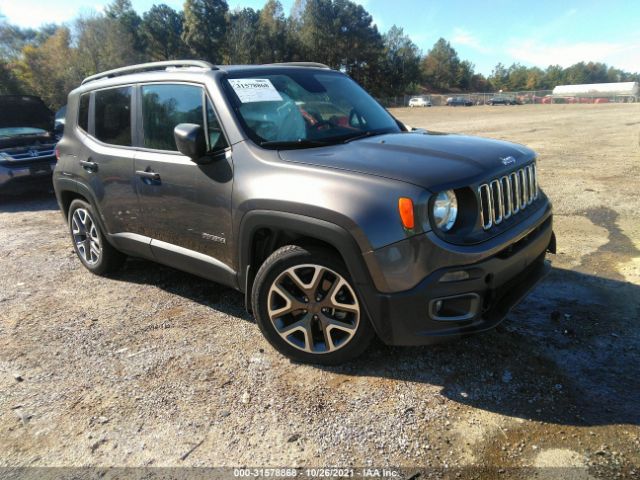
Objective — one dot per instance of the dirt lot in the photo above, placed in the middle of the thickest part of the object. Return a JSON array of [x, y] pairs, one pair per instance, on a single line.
[[153, 367]]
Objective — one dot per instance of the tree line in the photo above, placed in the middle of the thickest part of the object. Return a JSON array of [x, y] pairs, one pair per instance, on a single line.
[[53, 59]]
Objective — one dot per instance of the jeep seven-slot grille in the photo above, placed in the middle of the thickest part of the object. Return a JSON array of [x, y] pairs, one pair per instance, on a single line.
[[508, 195]]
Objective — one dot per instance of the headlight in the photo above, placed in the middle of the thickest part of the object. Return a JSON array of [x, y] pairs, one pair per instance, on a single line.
[[445, 210]]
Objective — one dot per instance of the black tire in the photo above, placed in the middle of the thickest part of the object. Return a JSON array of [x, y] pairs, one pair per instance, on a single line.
[[272, 270], [109, 259]]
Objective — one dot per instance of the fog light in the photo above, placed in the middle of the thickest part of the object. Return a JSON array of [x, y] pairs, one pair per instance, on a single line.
[[455, 276], [438, 306]]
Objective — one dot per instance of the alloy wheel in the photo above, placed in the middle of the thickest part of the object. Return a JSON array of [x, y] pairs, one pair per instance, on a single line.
[[86, 236], [313, 308]]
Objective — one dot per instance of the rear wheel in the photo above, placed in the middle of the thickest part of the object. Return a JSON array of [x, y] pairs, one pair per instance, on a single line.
[[89, 242], [307, 308]]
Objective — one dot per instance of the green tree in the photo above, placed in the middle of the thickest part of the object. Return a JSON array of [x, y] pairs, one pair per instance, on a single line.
[[499, 77], [9, 84], [122, 12], [400, 61], [464, 75], [271, 33], [49, 69], [205, 27], [241, 36], [102, 44], [161, 29], [441, 65]]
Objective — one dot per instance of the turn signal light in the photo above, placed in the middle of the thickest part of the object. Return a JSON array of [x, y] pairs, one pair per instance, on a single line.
[[405, 207], [57, 153]]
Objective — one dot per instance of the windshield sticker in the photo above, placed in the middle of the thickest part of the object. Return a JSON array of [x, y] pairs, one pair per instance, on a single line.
[[251, 90]]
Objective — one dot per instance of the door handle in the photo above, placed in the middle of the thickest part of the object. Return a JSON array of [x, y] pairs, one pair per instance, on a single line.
[[89, 166], [150, 175]]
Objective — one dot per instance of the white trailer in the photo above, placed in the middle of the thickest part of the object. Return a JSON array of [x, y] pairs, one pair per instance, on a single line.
[[619, 91]]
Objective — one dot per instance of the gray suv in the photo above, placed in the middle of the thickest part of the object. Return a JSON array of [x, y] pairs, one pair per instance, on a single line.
[[291, 184]]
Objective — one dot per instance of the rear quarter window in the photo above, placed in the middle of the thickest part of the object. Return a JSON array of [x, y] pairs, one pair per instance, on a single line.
[[83, 112], [113, 116]]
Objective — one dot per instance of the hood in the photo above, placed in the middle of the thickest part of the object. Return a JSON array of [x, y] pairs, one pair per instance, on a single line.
[[431, 160], [25, 111]]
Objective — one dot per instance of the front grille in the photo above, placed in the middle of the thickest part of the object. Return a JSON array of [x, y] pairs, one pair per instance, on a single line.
[[28, 153], [506, 196]]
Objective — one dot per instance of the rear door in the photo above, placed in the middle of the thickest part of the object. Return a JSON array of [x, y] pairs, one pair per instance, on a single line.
[[106, 159], [186, 207]]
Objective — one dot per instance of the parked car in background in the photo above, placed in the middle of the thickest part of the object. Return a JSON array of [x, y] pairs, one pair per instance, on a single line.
[[501, 100], [291, 184], [459, 102], [27, 144], [419, 102]]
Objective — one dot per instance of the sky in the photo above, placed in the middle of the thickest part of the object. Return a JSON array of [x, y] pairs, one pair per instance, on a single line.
[[551, 32]]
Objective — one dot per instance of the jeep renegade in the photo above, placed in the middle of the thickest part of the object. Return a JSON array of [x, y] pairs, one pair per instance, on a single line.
[[289, 183]]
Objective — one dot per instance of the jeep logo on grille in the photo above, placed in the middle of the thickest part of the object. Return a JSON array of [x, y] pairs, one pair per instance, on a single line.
[[506, 161]]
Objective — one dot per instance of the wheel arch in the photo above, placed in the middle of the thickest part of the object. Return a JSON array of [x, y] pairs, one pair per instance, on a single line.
[[68, 190], [262, 232]]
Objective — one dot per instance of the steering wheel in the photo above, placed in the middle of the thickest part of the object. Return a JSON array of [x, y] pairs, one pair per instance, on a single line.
[[322, 123]]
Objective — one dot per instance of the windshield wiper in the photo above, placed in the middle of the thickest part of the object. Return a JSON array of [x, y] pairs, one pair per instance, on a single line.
[[302, 143], [370, 133]]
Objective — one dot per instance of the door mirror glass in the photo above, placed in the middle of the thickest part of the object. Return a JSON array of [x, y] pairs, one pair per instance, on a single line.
[[190, 140]]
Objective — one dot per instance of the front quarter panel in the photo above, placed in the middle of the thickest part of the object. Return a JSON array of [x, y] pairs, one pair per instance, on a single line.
[[366, 206]]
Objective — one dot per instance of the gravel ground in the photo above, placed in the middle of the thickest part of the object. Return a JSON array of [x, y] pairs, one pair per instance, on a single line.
[[154, 367]]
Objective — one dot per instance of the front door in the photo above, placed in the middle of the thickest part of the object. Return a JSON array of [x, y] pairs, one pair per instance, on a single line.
[[186, 207]]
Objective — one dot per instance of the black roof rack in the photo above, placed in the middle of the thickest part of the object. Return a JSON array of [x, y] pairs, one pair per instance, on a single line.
[[301, 64], [146, 67]]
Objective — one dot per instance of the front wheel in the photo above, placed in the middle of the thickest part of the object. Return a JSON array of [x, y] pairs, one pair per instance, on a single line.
[[89, 242], [307, 307]]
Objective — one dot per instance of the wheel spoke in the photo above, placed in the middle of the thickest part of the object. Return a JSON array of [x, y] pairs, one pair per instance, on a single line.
[[303, 326], [292, 303], [306, 288], [329, 323], [333, 300]]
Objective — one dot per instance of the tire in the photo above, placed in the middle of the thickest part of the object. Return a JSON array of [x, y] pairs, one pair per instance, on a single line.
[[89, 242], [332, 316]]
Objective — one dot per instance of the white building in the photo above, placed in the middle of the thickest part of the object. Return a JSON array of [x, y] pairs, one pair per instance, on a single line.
[[623, 91]]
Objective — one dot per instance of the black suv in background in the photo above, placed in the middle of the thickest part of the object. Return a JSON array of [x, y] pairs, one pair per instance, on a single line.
[[459, 102], [291, 184], [27, 143], [502, 100]]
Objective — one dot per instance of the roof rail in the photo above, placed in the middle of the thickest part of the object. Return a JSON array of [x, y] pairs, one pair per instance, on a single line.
[[301, 64], [145, 67]]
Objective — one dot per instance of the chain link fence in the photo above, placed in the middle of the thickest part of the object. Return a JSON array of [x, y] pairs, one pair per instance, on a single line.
[[538, 97]]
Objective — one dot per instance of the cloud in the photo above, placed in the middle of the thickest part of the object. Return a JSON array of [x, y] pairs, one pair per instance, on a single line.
[[464, 37], [624, 55]]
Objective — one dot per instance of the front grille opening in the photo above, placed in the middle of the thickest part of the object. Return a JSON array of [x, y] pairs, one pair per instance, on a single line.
[[504, 197]]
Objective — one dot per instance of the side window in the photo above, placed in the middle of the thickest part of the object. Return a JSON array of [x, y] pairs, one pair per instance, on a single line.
[[83, 112], [164, 107], [216, 137], [113, 116]]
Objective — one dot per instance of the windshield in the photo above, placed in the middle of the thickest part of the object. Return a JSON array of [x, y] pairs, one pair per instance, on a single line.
[[305, 108]]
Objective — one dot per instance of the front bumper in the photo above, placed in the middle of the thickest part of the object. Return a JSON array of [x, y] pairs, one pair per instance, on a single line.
[[21, 176], [481, 301]]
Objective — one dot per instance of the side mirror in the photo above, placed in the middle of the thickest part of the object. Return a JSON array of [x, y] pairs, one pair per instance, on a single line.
[[190, 140]]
